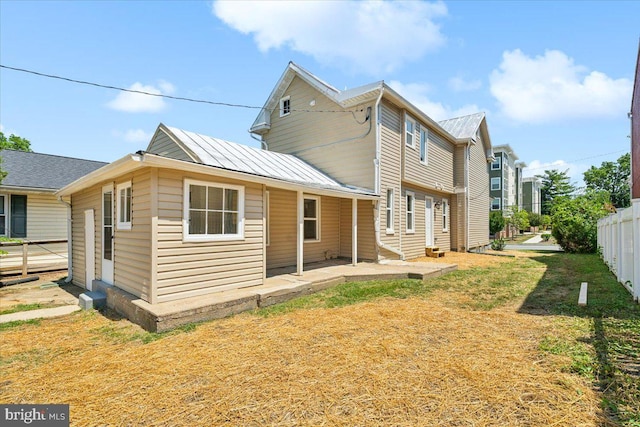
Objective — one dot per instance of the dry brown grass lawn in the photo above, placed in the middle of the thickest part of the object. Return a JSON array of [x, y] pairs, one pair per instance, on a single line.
[[400, 362], [467, 260]]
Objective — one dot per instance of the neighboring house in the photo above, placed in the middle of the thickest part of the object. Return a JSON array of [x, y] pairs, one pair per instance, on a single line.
[[431, 178], [531, 198], [28, 206], [505, 179]]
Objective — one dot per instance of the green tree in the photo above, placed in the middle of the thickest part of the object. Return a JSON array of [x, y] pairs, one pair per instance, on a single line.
[[496, 222], [518, 219], [612, 177], [14, 142], [555, 187], [535, 219], [575, 221], [546, 221]]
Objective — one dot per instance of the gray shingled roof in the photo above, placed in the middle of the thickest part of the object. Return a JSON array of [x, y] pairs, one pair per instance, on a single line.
[[463, 127], [43, 171]]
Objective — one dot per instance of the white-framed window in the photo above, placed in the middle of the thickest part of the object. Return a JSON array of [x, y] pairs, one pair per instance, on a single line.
[[389, 210], [411, 217], [311, 218], [124, 205], [285, 106], [267, 217], [409, 130], [3, 215], [495, 204], [445, 215], [495, 165], [424, 145], [495, 183], [212, 211]]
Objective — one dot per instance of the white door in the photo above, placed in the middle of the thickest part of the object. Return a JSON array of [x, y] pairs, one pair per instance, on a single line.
[[428, 221], [107, 234], [89, 249]]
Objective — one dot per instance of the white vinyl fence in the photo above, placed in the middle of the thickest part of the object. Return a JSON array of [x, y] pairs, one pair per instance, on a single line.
[[619, 240]]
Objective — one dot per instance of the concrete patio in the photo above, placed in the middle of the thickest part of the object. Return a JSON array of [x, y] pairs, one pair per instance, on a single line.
[[281, 285]]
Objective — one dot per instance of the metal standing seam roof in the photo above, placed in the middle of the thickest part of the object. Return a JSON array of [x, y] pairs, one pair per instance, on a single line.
[[43, 171], [237, 157], [463, 127]]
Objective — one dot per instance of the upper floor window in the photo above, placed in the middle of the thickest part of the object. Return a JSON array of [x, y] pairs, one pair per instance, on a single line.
[[311, 218], [389, 210], [495, 183], [424, 139], [495, 204], [411, 199], [496, 163], [213, 211], [285, 106], [409, 129], [124, 205], [445, 215]]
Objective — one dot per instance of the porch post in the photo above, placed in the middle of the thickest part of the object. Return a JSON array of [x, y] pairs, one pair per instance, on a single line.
[[354, 233], [300, 234]]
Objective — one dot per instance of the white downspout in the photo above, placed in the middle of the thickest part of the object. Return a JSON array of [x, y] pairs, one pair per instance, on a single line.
[[467, 154], [376, 204], [69, 243]]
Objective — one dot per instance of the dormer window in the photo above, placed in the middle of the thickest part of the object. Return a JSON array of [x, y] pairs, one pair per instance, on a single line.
[[285, 106]]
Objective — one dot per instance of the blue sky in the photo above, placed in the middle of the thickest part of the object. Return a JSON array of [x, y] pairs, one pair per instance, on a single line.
[[555, 78]]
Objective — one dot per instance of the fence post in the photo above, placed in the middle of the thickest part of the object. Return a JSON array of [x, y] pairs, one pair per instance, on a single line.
[[25, 258]]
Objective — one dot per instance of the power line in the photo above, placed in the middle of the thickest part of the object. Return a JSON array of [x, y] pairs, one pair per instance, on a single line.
[[161, 95], [556, 167]]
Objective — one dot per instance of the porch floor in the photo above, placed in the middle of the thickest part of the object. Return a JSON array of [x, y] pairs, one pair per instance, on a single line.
[[281, 285]]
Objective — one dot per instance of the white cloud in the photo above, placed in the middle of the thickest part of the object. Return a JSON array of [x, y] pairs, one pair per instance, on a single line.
[[553, 88], [417, 94], [1, 128], [136, 136], [370, 36], [139, 103], [575, 171], [459, 84]]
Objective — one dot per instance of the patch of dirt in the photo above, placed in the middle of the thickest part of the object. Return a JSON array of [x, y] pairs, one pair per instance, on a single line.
[[49, 289], [467, 260]]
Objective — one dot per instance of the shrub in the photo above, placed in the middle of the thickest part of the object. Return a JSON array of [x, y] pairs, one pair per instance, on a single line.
[[498, 244], [535, 219], [575, 222], [496, 222], [546, 237]]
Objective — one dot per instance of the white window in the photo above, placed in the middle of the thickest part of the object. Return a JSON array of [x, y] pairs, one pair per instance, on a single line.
[[424, 147], [495, 204], [496, 163], [495, 183], [3, 215], [213, 211], [409, 129], [411, 199], [124, 205], [311, 218], [389, 211], [267, 217], [285, 106], [445, 215]]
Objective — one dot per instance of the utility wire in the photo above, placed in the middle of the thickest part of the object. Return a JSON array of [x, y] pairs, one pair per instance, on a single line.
[[161, 95]]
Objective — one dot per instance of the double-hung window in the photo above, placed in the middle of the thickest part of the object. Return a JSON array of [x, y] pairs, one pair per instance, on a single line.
[[390, 211], [285, 106], [445, 215], [495, 183], [3, 215], [424, 147], [411, 219], [124, 206], [213, 211], [409, 129], [311, 218], [495, 204], [495, 165]]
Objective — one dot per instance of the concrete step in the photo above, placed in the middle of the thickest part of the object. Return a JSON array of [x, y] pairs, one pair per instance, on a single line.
[[92, 299]]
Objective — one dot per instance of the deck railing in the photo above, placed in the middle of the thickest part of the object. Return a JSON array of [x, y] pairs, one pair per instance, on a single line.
[[30, 256]]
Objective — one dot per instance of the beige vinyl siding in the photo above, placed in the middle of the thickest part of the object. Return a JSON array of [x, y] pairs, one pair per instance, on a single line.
[[46, 217], [281, 251], [350, 159], [391, 126], [132, 253], [89, 198], [479, 197], [187, 269], [458, 204], [413, 244], [366, 235], [328, 247], [438, 172], [164, 146]]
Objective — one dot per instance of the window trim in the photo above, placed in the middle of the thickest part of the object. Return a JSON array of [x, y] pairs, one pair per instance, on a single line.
[[284, 99], [408, 118], [424, 144], [411, 227], [316, 219], [389, 211], [186, 237], [123, 225], [445, 215], [499, 181], [5, 211], [499, 199], [497, 162]]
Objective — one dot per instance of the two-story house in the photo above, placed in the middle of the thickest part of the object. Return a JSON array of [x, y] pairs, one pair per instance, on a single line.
[[356, 174]]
